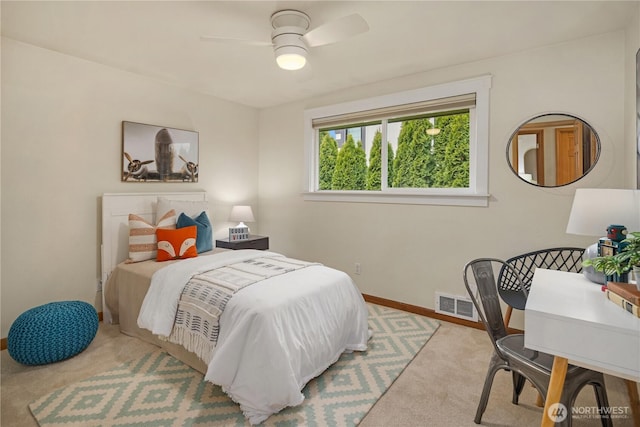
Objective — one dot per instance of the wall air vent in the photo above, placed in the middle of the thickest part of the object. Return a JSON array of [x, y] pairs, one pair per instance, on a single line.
[[456, 306]]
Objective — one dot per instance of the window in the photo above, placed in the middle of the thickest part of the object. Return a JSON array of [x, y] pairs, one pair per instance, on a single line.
[[435, 150]]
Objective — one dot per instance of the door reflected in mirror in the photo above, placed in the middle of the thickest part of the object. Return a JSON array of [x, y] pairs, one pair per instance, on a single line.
[[552, 150]]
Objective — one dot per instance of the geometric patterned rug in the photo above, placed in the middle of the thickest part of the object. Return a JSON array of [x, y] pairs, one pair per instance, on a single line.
[[157, 390]]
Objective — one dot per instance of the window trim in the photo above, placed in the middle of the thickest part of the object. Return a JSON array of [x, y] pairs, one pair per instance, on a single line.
[[477, 194]]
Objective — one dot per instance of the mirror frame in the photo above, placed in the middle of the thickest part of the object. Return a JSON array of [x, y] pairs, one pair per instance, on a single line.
[[519, 130]]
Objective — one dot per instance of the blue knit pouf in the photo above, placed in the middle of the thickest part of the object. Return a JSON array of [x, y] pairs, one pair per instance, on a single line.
[[52, 332]]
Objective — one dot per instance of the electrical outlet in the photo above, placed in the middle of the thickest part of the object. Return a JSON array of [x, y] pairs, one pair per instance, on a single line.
[[358, 268]]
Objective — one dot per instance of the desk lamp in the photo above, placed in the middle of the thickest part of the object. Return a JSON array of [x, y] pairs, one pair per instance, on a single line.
[[241, 214], [600, 212]]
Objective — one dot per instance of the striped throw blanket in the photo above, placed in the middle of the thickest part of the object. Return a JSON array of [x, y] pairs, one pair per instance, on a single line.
[[206, 295]]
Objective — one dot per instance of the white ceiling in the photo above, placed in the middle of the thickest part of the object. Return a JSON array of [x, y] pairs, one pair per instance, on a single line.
[[162, 39]]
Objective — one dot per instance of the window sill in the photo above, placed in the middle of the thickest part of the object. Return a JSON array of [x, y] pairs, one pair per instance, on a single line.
[[436, 198]]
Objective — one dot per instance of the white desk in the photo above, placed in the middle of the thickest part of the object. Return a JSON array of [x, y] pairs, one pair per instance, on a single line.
[[570, 317]]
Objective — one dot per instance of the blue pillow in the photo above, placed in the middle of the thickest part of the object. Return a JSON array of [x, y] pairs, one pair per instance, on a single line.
[[204, 236]]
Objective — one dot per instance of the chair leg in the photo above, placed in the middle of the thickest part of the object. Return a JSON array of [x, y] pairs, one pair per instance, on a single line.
[[569, 396], [507, 317], [518, 385], [603, 403], [494, 366]]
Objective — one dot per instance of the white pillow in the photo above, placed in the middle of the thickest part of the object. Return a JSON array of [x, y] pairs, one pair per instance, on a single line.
[[191, 208]]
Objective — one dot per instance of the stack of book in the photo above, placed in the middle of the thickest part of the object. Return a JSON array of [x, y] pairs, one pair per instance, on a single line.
[[625, 295]]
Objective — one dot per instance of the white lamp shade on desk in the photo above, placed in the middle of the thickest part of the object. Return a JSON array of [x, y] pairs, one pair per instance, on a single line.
[[594, 209], [241, 214]]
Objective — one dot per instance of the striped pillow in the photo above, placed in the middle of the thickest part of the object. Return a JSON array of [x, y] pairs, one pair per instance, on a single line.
[[143, 244]]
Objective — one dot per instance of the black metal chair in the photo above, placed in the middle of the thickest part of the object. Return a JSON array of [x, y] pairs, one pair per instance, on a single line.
[[562, 259], [509, 351]]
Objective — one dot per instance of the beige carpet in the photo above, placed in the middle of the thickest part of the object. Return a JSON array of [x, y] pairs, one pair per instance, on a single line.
[[439, 388]]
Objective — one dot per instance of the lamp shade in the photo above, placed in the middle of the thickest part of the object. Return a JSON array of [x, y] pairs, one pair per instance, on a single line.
[[241, 214], [594, 209]]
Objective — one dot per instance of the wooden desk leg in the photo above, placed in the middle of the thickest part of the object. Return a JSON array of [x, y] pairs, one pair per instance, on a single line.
[[556, 383], [507, 317], [539, 401], [632, 391]]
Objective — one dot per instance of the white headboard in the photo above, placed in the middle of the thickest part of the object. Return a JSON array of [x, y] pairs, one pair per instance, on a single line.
[[116, 208]]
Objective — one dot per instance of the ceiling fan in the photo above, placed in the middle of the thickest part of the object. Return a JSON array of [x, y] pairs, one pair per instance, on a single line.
[[291, 37]]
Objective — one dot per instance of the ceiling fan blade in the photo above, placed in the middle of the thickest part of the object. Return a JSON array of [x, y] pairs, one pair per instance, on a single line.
[[336, 30], [232, 40]]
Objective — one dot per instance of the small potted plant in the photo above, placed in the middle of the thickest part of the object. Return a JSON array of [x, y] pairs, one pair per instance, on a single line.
[[616, 267]]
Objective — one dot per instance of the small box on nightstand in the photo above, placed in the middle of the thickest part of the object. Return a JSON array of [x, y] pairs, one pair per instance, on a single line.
[[253, 242]]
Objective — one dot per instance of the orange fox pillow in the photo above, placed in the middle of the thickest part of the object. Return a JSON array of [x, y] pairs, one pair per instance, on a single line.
[[177, 244]]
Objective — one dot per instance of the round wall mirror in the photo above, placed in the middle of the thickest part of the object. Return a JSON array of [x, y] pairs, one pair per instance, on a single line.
[[552, 150]]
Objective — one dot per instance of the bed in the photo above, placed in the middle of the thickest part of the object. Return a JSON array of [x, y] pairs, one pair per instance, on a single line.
[[285, 324]]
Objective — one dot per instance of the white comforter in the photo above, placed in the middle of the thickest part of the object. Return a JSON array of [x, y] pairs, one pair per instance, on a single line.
[[275, 335]]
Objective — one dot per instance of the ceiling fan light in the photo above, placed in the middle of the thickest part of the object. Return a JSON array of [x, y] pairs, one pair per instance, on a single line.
[[291, 61], [291, 57]]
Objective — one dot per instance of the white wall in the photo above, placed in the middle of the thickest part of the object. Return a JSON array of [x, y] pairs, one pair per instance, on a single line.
[[407, 252], [632, 103], [62, 148]]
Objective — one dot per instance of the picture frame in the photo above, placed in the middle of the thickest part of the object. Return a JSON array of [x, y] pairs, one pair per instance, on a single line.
[[153, 153]]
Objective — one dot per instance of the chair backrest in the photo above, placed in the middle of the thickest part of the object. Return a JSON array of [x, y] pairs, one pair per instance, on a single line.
[[482, 288], [562, 259]]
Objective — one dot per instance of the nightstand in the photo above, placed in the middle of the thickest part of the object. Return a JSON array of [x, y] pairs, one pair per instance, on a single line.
[[253, 242]]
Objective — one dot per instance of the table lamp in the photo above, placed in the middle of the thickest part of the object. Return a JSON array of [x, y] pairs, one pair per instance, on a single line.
[[241, 214], [593, 212]]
